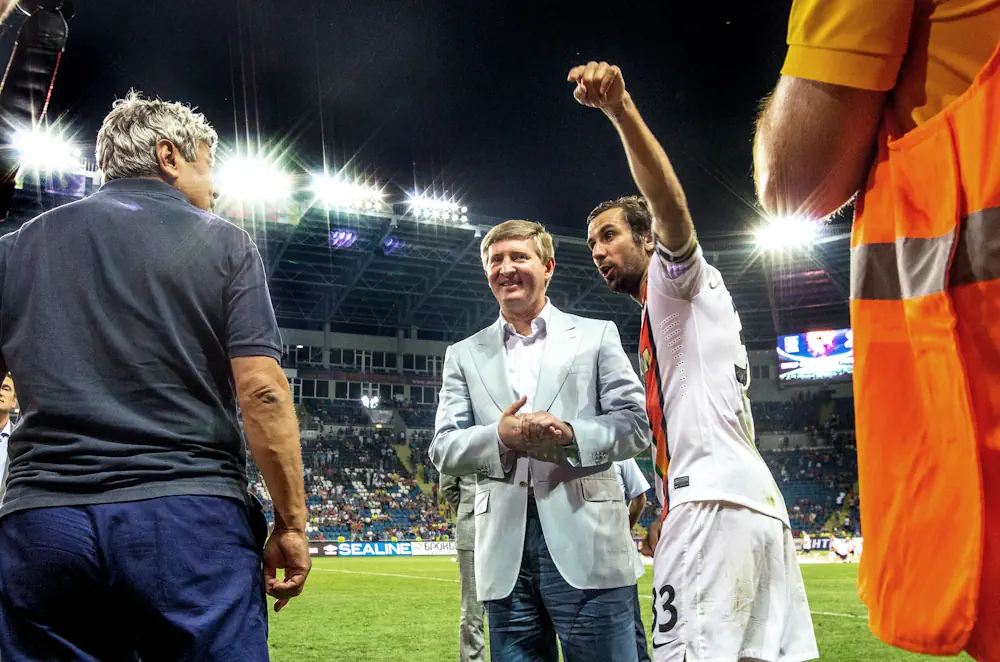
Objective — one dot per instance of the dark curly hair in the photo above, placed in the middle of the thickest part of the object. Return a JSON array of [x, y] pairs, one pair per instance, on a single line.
[[636, 211]]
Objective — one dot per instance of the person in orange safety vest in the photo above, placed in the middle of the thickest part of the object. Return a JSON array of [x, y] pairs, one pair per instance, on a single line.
[[900, 100]]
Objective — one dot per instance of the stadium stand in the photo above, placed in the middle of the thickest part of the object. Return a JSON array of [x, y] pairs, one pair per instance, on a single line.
[[359, 490], [420, 441], [819, 483], [417, 416], [328, 412], [799, 413]]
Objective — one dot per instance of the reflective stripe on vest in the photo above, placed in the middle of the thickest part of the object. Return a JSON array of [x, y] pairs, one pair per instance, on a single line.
[[914, 267]]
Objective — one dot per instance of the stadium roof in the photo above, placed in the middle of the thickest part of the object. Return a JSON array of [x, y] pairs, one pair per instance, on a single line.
[[376, 274], [379, 272]]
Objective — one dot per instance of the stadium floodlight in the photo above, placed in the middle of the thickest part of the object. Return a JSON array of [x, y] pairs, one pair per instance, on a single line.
[[786, 232], [254, 180], [391, 245], [436, 209], [335, 192], [342, 238], [46, 151]]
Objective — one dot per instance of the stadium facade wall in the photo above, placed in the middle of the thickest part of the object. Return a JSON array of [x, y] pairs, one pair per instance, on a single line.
[[397, 345], [762, 389]]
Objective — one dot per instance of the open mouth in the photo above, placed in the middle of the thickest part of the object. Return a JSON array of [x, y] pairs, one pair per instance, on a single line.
[[607, 271], [510, 285]]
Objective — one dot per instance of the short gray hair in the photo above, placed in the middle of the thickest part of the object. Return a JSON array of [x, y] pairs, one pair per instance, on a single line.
[[126, 143]]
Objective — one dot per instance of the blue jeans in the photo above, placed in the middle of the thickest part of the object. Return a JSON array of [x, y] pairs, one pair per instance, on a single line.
[[592, 625], [173, 578], [640, 630]]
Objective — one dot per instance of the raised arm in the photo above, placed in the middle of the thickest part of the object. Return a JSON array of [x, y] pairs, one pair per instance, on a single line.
[[816, 132], [601, 85], [814, 146]]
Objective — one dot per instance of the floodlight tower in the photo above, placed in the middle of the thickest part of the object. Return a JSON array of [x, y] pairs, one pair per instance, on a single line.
[[254, 180], [778, 236], [29, 79]]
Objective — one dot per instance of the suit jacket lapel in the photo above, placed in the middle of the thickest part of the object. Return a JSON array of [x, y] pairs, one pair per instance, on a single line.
[[561, 343], [492, 366]]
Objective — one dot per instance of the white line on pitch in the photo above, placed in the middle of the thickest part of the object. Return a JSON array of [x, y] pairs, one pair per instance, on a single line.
[[455, 581], [833, 613]]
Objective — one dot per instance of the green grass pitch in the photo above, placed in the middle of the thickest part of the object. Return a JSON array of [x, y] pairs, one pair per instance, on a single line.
[[380, 609]]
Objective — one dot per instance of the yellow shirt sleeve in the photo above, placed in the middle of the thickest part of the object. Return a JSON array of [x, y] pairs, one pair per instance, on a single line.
[[855, 43]]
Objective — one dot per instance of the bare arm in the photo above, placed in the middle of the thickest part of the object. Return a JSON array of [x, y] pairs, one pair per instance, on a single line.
[[635, 509], [273, 435], [813, 146], [600, 85]]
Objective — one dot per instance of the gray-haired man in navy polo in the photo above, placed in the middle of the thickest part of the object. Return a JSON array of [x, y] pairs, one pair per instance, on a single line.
[[134, 322]]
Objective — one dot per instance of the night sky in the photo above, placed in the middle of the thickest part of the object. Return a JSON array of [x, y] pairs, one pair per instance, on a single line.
[[466, 97]]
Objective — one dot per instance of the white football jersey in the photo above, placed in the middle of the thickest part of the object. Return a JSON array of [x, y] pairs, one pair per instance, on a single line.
[[697, 375]]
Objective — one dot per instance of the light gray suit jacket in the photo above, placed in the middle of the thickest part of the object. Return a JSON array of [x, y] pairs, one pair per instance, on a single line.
[[585, 380], [460, 493]]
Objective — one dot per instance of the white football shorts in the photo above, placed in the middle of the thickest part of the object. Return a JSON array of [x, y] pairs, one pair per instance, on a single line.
[[727, 587]]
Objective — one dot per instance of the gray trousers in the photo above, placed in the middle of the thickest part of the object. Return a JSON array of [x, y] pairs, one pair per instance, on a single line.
[[471, 642]]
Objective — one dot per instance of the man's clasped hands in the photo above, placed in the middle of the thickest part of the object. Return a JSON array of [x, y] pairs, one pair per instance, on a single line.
[[537, 434]]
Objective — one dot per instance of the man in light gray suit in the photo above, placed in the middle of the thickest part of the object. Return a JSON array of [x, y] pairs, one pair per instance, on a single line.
[[538, 405], [460, 493]]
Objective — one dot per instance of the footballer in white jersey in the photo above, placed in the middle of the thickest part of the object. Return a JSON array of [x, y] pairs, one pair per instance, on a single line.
[[726, 579]]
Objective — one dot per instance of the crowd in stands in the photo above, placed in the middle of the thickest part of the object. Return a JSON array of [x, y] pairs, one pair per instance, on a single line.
[[420, 441], [418, 416], [817, 484], [358, 490], [341, 412], [802, 412]]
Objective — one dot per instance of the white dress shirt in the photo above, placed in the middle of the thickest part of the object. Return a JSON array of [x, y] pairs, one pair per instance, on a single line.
[[523, 356]]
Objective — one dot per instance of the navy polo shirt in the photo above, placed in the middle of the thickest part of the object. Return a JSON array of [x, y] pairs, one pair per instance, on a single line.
[[119, 314]]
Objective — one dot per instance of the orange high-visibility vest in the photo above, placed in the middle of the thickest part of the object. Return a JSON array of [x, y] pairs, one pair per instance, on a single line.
[[925, 309]]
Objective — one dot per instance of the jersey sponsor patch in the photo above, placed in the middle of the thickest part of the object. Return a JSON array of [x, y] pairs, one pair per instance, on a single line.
[[682, 481]]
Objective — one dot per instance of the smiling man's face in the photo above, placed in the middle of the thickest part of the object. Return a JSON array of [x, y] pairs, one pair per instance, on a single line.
[[517, 275]]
